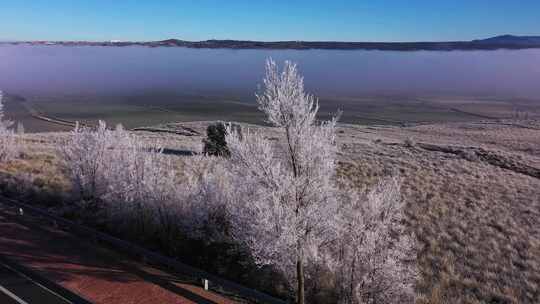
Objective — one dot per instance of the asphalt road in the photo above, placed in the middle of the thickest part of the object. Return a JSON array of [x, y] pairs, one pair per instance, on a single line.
[[16, 288]]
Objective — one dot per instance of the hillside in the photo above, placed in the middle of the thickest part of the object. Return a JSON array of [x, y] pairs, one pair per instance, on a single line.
[[511, 39], [472, 192]]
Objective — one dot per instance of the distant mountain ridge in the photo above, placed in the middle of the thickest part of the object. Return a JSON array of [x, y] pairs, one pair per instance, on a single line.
[[511, 39], [494, 43]]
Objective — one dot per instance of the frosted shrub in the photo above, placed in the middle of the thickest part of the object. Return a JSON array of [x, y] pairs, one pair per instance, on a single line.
[[137, 185], [9, 146], [138, 171], [115, 166], [141, 182], [86, 158], [206, 190], [370, 256]]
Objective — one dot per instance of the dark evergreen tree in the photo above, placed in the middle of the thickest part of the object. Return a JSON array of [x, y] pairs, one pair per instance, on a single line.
[[214, 143]]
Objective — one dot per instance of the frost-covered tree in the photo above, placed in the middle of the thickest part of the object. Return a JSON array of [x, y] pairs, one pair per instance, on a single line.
[[285, 200], [373, 259], [8, 141], [287, 208], [214, 143]]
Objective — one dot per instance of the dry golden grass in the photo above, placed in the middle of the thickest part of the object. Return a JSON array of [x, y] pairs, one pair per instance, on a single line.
[[477, 224]]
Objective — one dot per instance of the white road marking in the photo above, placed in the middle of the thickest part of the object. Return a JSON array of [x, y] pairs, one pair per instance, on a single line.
[[12, 295]]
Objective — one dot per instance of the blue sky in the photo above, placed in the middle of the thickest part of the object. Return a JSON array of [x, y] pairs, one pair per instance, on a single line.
[[345, 20]]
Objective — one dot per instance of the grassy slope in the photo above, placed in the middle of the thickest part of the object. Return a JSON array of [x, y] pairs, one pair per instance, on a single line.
[[478, 225]]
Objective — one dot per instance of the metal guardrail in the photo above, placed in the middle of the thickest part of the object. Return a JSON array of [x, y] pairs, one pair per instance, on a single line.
[[152, 257]]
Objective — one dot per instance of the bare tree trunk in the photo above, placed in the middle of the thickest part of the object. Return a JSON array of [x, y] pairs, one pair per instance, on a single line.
[[300, 296]]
